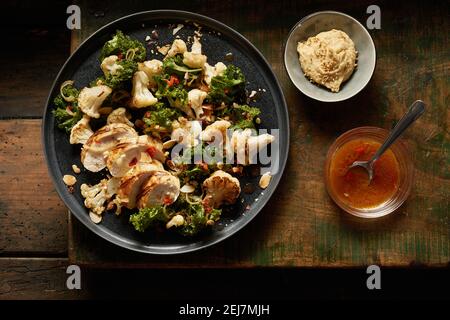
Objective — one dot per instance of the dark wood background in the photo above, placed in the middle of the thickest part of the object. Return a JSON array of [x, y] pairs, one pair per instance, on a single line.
[[412, 63]]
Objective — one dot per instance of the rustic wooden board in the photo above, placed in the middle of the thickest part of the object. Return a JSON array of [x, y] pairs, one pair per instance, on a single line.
[[301, 226], [38, 46], [32, 217], [39, 278]]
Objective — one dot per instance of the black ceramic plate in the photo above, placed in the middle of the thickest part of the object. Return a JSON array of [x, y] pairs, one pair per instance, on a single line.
[[217, 40]]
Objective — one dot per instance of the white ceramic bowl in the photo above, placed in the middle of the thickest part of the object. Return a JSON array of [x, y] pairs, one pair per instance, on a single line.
[[315, 23]]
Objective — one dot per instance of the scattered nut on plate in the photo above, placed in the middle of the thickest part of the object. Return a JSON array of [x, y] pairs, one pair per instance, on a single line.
[[187, 188], [75, 168], [265, 180], [169, 144], [96, 218], [69, 180]]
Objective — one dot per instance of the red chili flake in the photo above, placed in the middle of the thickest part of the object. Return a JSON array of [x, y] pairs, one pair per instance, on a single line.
[[172, 81], [147, 114], [167, 200], [207, 208], [120, 56], [206, 205], [133, 162], [151, 151]]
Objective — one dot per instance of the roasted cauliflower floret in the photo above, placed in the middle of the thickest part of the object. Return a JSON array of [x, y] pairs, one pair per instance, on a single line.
[[238, 144], [256, 144], [210, 71], [221, 188], [151, 68], [195, 100], [195, 58], [119, 115], [91, 99], [141, 96], [81, 131], [187, 133], [178, 47], [176, 221], [97, 195], [110, 66], [216, 130], [246, 146]]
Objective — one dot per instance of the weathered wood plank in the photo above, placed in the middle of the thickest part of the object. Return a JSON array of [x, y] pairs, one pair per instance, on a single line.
[[303, 227], [32, 217], [35, 278], [36, 45]]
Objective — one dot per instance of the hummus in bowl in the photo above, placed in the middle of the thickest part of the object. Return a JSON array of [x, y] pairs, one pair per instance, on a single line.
[[328, 58], [330, 44]]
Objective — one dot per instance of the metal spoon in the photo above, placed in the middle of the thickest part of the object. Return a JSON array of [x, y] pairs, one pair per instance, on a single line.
[[413, 113]]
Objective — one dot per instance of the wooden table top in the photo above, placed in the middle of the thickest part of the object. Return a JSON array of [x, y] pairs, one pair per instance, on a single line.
[[301, 226]]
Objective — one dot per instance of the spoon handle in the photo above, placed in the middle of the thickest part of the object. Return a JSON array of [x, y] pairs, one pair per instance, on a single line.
[[414, 112]]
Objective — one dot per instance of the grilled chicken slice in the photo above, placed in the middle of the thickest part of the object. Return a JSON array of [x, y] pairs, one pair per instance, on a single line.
[[154, 147], [123, 157], [161, 189], [131, 183], [104, 139]]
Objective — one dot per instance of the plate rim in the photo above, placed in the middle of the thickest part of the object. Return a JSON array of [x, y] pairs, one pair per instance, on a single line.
[[111, 237]]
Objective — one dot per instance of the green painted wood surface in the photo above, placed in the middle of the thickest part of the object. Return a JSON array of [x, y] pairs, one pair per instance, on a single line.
[[301, 226]]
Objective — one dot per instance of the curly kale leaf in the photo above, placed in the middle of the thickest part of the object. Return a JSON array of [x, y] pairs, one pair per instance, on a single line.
[[175, 65], [175, 94], [196, 219], [148, 217], [63, 118], [161, 115], [215, 214], [245, 116], [120, 44], [242, 116], [228, 87], [194, 173], [122, 75]]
